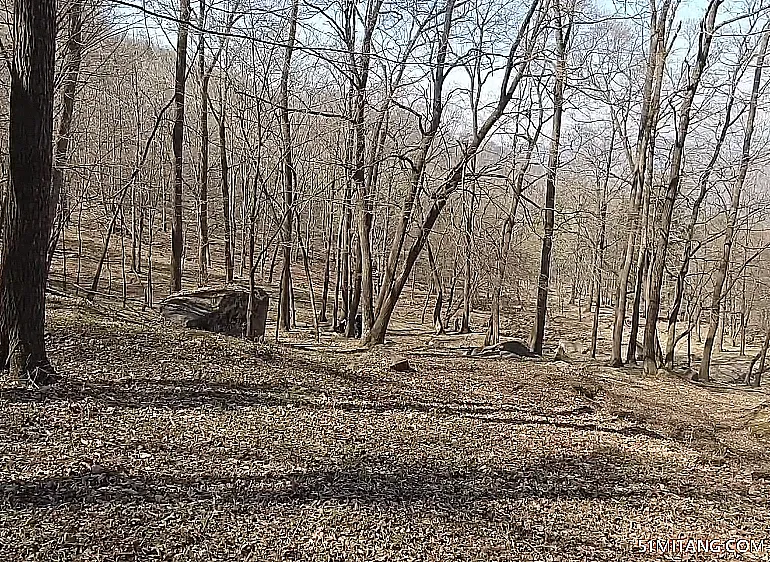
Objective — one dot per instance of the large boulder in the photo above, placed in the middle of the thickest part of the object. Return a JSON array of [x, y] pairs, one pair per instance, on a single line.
[[511, 348], [221, 310], [515, 347]]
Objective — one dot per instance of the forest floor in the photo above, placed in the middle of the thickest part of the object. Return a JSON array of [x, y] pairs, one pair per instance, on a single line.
[[168, 444]]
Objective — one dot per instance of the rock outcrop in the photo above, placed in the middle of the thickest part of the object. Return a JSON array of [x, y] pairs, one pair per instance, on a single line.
[[221, 310]]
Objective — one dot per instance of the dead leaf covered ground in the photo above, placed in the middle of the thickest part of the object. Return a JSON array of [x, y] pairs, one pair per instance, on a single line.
[[165, 444]]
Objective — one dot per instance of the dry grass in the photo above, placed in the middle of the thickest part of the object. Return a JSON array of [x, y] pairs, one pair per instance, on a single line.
[[163, 444]]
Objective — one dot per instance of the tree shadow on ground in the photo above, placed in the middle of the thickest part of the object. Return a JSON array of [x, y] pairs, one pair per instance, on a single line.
[[597, 476], [194, 393]]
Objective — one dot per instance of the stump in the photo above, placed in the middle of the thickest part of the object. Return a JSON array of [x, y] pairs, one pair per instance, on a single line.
[[221, 310]]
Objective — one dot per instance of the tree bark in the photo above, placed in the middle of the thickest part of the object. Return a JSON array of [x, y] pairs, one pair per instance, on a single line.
[[180, 81], [28, 216], [562, 40], [287, 169]]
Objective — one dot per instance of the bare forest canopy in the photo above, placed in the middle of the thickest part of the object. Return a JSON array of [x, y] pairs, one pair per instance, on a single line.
[[497, 155]]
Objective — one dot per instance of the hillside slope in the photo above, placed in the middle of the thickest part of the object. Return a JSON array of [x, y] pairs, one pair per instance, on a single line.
[[165, 444]]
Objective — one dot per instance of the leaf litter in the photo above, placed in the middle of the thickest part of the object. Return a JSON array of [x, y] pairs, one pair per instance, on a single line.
[[166, 444]]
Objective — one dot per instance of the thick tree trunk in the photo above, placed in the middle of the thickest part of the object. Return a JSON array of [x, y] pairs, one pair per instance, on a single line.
[[28, 214], [354, 296]]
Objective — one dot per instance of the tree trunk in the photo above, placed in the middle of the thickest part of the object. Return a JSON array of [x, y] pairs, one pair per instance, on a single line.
[[361, 178], [225, 169], [328, 255], [735, 201], [180, 80], [756, 380], [64, 138], [650, 109], [438, 325], [642, 260], [27, 229], [287, 168], [663, 224], [465, 326], [203, 182], [354, 295], [550, 186]]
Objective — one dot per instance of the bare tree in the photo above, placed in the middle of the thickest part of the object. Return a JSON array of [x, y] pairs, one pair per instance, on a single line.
[[394, 281], [689, 249], [287, 173], [663, 224], [180, 81], [564, 19], [74, 53], [660, 20], [735, 201]]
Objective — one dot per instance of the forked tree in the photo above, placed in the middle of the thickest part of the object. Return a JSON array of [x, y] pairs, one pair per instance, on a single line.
[[735, 201]]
